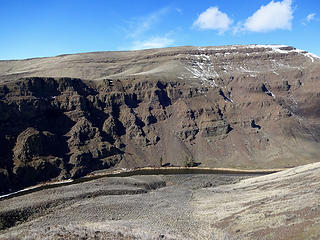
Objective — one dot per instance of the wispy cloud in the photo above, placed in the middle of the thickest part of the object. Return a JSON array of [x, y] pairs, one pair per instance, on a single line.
[[273, 16], [310, 17], [238, 28], [141, 35], [154, 42], [143, 24], [213, 19]]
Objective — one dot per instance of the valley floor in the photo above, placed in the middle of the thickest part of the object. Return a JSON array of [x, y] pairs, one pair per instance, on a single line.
[[284, 205]]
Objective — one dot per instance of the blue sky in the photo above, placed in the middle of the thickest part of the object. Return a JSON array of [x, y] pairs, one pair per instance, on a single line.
[[38, 28]]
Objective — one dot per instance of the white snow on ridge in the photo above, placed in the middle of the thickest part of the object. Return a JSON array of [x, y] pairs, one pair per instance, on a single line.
[[273, 46], [276, 48], [216, 48], [278, 65], [311, 56], [203, 69]]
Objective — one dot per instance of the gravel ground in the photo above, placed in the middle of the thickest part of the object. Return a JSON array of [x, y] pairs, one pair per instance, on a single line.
[[139, 207], [279, 206]]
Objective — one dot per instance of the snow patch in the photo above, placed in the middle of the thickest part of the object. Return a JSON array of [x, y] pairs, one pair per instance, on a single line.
[[267, 91], [226, 99], [217, 48], [277, 49], [270, 93], [248, 71], [202, 68]]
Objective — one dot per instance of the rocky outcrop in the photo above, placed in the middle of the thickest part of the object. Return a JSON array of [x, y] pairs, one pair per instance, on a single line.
[[36, 157], [236, 106], [31, 143], [210, 129]]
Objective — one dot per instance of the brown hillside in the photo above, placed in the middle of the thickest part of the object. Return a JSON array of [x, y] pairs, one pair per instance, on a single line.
[[233, 106]]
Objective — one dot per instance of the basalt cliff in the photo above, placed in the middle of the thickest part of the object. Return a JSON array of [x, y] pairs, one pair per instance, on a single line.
[[254, 106]]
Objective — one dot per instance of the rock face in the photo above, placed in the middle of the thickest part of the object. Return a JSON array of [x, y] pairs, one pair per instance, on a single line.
[[36, 157], [234, 106]]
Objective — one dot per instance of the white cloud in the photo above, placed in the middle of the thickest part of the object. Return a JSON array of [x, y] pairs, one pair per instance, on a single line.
[[310, 17], [155, 42], [273, 16], [213, 19]]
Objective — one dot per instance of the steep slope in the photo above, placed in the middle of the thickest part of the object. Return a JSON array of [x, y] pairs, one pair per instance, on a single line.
[[250, 106]]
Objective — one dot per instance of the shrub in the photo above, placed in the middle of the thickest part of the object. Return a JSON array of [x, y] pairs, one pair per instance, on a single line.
[[189, 162]]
